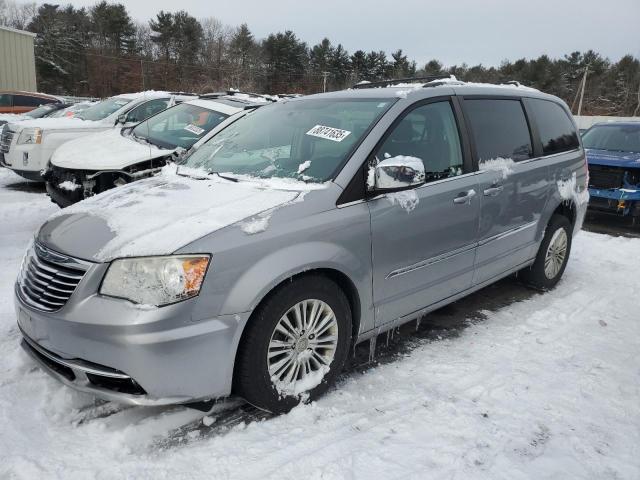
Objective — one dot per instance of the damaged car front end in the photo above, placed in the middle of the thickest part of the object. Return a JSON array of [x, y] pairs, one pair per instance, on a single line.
[[613, 156]]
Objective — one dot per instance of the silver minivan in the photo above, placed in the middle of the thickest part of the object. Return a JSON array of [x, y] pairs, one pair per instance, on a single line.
[[299, 230]]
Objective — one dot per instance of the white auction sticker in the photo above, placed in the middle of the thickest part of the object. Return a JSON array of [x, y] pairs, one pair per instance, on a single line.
[[193, 129], [329, 133]]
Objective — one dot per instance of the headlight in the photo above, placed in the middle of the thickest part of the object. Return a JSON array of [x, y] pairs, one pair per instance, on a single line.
[[30, 135], [155, 280]]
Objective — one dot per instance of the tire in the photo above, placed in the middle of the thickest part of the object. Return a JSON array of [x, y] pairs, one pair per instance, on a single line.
[[558, 233], [274, 390]]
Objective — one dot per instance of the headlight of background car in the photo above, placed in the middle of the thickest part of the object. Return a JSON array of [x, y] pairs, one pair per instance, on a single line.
[[155, 280], [30, 135]]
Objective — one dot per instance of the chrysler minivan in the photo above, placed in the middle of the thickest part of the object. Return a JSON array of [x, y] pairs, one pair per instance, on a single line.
[[299, 230]]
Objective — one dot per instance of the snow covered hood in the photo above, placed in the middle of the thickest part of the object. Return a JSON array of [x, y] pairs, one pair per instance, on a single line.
[[613, 159], [159, 215], [61, 123], [108, 150]]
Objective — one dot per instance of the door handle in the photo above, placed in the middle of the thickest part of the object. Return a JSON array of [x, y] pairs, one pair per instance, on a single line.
[[465, 197], [493, 191]]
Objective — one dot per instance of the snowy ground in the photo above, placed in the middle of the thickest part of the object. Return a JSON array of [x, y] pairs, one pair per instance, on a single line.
[[506, 384]]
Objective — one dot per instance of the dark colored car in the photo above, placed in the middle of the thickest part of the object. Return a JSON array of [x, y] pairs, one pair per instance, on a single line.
[[613, 155]]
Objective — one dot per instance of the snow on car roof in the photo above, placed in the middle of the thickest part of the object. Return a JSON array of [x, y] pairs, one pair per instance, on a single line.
[[153, 94], [214, 104]]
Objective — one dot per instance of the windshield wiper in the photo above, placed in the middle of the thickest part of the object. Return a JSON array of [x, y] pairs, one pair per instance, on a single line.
[[231, 179]]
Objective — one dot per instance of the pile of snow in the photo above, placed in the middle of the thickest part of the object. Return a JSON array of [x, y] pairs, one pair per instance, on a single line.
[[504, 166], [69, 186]]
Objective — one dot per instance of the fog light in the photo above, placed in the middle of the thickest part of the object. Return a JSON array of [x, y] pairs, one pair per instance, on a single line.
[[621, 205]]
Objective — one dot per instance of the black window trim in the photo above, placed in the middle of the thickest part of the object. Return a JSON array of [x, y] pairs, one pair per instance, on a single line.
[[356, 189]]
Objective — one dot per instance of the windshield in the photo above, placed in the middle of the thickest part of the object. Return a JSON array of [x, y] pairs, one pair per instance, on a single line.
[[180, 126], [43, 110], [620, 138], [308, 139], [102, 110]]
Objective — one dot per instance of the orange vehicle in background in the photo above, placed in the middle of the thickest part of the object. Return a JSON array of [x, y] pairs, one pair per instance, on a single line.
[[22, 102]]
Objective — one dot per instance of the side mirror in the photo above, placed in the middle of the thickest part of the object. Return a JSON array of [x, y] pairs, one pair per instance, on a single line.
[[399, 172], [122, 118]]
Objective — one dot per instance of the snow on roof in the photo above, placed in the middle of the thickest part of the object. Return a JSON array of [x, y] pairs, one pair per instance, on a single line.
[[150, 94], [15, 30]]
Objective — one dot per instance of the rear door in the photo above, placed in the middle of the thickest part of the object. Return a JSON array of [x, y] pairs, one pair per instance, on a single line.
[[513, 185], [423, 240]]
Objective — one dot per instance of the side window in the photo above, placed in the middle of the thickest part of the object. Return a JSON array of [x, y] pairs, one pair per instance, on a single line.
[[429, 133], [557, 132], [147, 109], [5, 100], [27, 101], [499, 128]]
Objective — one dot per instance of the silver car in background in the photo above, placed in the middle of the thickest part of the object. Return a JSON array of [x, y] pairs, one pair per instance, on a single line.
[[299, 230]]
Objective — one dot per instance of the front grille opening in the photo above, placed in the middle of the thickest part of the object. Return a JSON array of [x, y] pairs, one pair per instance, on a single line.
[[63, 370], [121, 385]]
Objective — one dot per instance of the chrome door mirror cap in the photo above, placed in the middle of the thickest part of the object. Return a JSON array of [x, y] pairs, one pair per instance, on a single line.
[[399, 172]]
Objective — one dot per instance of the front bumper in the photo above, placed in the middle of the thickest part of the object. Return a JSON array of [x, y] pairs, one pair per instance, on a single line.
[[119, 352], [618, 201]]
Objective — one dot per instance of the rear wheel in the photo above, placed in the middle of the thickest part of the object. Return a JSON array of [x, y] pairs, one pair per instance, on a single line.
[[295, 344], [552, 257]]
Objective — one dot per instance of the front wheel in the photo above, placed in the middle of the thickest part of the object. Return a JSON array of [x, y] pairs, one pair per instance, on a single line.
[[295, 345], [552, 257]]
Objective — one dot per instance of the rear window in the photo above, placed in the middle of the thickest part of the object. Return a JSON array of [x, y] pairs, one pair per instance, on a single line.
[[499, 129], [557, 132]]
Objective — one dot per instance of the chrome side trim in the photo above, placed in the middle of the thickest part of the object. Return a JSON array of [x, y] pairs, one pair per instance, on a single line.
[[508, 233], [430, 261]]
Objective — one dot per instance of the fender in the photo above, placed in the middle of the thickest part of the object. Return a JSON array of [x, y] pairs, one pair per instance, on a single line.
[[285, 263]]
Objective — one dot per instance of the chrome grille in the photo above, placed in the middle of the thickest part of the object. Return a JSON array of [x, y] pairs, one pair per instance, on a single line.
[[5, 139], [48, 279]]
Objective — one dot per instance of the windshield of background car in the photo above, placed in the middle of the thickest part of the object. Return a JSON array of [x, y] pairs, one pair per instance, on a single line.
[[42, 111], [180, 126], [307, 139], [619, 138], [103, 109]]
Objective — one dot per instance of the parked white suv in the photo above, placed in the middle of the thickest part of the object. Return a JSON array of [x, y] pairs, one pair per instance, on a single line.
[[26, 147], [94, 163]]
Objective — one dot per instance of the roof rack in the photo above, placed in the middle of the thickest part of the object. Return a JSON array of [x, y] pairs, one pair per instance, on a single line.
[[231, 93], [395, 81]]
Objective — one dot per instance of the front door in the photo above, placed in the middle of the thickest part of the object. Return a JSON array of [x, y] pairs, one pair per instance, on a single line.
[[423, 240]]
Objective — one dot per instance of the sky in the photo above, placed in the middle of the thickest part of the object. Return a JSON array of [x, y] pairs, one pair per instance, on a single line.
[[453, 31]]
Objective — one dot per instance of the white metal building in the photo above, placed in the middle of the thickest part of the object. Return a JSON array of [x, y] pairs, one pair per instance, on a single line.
[[17, 60]]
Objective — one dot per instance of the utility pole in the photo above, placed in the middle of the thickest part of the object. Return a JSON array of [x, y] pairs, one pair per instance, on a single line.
[[142, 74], [584, 85], [324, 81]]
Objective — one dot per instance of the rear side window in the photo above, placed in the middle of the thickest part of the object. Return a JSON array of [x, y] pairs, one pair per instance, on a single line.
[[499, 128], [557, 132], [5, 100], [27, 101]]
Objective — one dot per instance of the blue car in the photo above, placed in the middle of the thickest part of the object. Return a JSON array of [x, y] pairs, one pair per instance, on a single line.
[[613, 155]]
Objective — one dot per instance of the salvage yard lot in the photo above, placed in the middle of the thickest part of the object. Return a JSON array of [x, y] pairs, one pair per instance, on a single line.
[[506, 383]]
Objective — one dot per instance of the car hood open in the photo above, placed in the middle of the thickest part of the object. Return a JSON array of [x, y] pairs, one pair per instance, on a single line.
[[159, 215], [613, 159], [108, 150]]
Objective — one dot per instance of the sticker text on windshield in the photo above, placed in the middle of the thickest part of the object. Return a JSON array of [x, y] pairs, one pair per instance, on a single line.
[[193, 129], [328, 133]]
